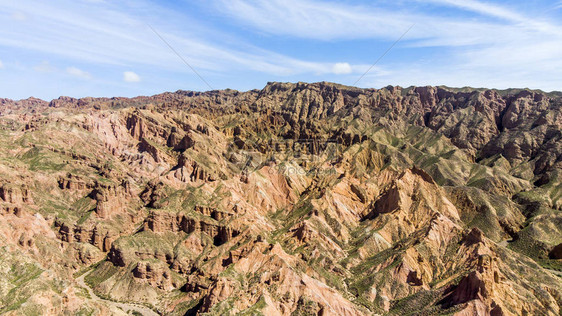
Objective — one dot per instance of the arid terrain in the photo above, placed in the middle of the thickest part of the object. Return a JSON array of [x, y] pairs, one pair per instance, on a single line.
[[297, 199]]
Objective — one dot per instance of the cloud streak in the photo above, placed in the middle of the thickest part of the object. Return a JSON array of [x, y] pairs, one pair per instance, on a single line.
[[331, 21], [498, 41], [105, 34]]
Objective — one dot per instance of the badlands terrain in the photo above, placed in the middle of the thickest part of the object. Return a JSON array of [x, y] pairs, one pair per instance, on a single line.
[[297, 199]]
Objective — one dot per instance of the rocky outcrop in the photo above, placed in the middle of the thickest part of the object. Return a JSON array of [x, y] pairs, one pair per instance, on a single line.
[[9, 209], [179, 141], [146, 145], [219, 291], [15, 194], [109, 199], [136, 126], [212, 212], [75, 183], [99, 237], [155, 274], [117, 257], [189, 170], [161, 221], [556, 252], [153, 192]]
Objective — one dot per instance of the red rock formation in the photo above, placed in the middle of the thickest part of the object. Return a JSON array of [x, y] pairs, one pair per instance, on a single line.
[[109, 198], [15, 194]]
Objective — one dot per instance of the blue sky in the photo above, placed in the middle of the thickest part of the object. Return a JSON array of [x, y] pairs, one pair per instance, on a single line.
[[106, 47]]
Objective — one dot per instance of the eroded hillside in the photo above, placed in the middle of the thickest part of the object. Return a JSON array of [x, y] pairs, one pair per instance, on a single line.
[[298, 199]]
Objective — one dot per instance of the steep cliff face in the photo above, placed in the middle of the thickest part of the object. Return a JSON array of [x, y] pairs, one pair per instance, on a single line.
[[295, 199]]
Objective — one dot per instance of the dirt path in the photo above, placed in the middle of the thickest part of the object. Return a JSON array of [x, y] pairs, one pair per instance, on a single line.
[[126, 307]]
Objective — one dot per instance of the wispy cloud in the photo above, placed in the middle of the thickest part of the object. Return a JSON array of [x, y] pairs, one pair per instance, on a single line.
[[1, 65], [504, 13], [483, 8], [78, 73], [45, 66], [335, 21], [454, 42], [19, 16], [498, 41], [129, 76], [313, 19], [106, 34]]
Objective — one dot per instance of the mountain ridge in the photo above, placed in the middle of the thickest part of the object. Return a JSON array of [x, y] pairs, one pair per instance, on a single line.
[[553, 93]]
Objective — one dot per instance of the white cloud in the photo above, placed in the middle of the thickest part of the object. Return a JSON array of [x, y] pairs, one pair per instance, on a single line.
[[342, 69], [19, 16], [1, 64], [45, 66], [78, 73], [129, 76]]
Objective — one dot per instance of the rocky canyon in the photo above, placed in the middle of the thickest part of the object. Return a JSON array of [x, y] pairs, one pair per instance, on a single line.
[[296, 199]]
